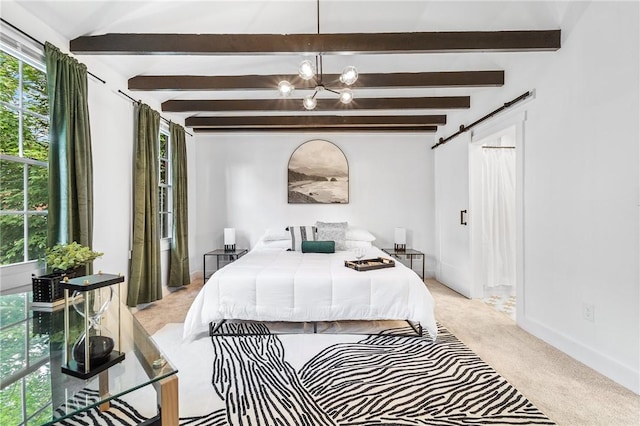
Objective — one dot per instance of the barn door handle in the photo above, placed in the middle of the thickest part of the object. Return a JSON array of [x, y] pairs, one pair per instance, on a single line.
[[462, 219]]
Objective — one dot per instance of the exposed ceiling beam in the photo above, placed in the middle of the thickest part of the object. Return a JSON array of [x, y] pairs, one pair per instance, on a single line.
[[311, 44], [314, 122], [413, 129], [443, 102], [270, 82]]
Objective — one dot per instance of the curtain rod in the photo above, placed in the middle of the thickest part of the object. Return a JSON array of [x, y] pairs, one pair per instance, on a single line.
[[137, 102], [90, 73], [29, 36], [491, 114]]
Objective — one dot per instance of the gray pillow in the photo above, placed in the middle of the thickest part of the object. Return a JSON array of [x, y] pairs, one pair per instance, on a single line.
[[332, 231]]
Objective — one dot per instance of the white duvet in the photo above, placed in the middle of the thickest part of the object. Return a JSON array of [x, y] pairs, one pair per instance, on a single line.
[[280, 285]]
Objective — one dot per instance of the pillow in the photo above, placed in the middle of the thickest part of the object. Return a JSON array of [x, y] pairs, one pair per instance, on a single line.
[[276, 234], [359, 234], [276, 244], [300, 234], [318, 247], [332, 231], [351, 244]]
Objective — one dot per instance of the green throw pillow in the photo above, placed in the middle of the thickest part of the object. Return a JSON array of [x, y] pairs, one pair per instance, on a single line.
[[318, 247]]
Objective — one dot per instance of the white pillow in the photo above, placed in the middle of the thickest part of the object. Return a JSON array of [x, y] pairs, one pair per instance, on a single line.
[[359, 234], [276, 234], [274, 244], [332, 231], [351, 244], [300, 234]]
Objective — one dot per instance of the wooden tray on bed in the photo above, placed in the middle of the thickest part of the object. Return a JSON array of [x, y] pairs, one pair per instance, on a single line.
[[369, 264]]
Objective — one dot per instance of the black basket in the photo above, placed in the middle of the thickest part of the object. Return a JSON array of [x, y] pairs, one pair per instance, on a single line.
[[46, 288]]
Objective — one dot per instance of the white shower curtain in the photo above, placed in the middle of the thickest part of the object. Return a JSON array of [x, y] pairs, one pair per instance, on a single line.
[[499, 216]]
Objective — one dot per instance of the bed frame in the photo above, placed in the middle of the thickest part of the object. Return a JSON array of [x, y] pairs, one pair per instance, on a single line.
[[214, 330]]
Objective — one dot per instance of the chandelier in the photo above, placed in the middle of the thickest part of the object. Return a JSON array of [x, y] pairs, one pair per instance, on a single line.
[[308, 71]]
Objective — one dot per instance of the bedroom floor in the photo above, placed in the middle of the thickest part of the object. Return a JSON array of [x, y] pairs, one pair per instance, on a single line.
[[564, 389]]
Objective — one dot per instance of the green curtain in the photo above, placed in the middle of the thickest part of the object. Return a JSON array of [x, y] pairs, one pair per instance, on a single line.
[[145, 283], [70, 211], [179, 259]]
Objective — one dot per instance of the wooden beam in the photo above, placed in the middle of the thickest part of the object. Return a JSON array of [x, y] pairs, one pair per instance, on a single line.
[[312, 44], [270, 82], [414, 129], [443, 102], [311, 122]]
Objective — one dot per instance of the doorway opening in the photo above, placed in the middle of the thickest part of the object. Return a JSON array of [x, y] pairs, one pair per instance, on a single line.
[[494, 203]]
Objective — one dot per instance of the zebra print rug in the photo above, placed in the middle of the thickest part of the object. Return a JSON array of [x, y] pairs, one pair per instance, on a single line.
[[379, 379], [383, 379]]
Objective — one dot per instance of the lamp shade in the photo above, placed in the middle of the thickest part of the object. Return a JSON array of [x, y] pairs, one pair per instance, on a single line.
[[229, 236], [400, 236]]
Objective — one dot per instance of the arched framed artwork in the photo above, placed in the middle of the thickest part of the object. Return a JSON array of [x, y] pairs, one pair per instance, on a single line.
[[318, 173]]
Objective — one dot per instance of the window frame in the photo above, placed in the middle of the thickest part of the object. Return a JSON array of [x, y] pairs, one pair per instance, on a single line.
[[16, 275], [165, 229]]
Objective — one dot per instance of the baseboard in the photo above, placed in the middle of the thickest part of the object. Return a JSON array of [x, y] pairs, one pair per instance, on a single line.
[[603, 364]]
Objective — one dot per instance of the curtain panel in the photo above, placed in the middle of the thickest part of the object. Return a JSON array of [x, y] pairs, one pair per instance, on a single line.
[[70, 211], [179, 258], [145, 283], [499, 216]]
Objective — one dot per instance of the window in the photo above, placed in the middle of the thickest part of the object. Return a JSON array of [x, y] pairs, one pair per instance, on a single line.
[[24, 146], [164, 184], [25, 392]]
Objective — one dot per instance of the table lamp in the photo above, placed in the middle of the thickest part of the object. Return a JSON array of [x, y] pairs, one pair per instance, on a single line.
[[400, 239], [229, 239]]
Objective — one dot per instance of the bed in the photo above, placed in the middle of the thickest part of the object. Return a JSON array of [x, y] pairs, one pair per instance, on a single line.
[[271, 283]]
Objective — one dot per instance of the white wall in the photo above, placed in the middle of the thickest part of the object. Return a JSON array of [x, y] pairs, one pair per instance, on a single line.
[[581, 185], [242, 183]]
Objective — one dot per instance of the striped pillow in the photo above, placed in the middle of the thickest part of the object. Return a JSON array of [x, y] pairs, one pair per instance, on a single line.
[[300, 234]]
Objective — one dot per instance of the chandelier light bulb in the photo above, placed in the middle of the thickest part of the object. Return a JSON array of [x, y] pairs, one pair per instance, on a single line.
[[309, 102], [349, 75], [306, 70], [285, 88], [346, 96]]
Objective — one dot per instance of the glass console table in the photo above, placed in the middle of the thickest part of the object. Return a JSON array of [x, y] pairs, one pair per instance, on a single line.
[[33, 389]]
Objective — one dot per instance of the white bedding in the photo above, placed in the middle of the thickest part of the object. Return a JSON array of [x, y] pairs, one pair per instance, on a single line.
[[279, 285]]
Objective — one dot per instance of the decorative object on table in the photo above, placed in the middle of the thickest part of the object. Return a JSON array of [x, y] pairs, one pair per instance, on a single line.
[[318, 173], [400, 239], [229, 239], [62, 260], [96, 348], [369, 264]]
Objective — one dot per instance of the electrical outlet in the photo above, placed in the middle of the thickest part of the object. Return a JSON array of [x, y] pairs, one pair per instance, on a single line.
[[588, 312]]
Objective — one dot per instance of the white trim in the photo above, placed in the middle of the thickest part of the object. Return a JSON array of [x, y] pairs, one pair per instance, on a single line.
[[19, 274], [625, 375]]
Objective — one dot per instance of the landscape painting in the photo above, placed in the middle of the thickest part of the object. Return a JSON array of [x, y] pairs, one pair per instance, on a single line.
[[318, 174]]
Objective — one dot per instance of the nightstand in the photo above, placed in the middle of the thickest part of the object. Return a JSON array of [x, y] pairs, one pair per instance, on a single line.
[[233, 255], [410, 253]]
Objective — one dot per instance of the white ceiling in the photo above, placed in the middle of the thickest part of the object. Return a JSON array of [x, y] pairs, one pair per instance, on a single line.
[[81, 18]]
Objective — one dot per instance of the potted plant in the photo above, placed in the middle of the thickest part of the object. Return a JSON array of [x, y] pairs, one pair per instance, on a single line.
[[62, 260], [65, 257]]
